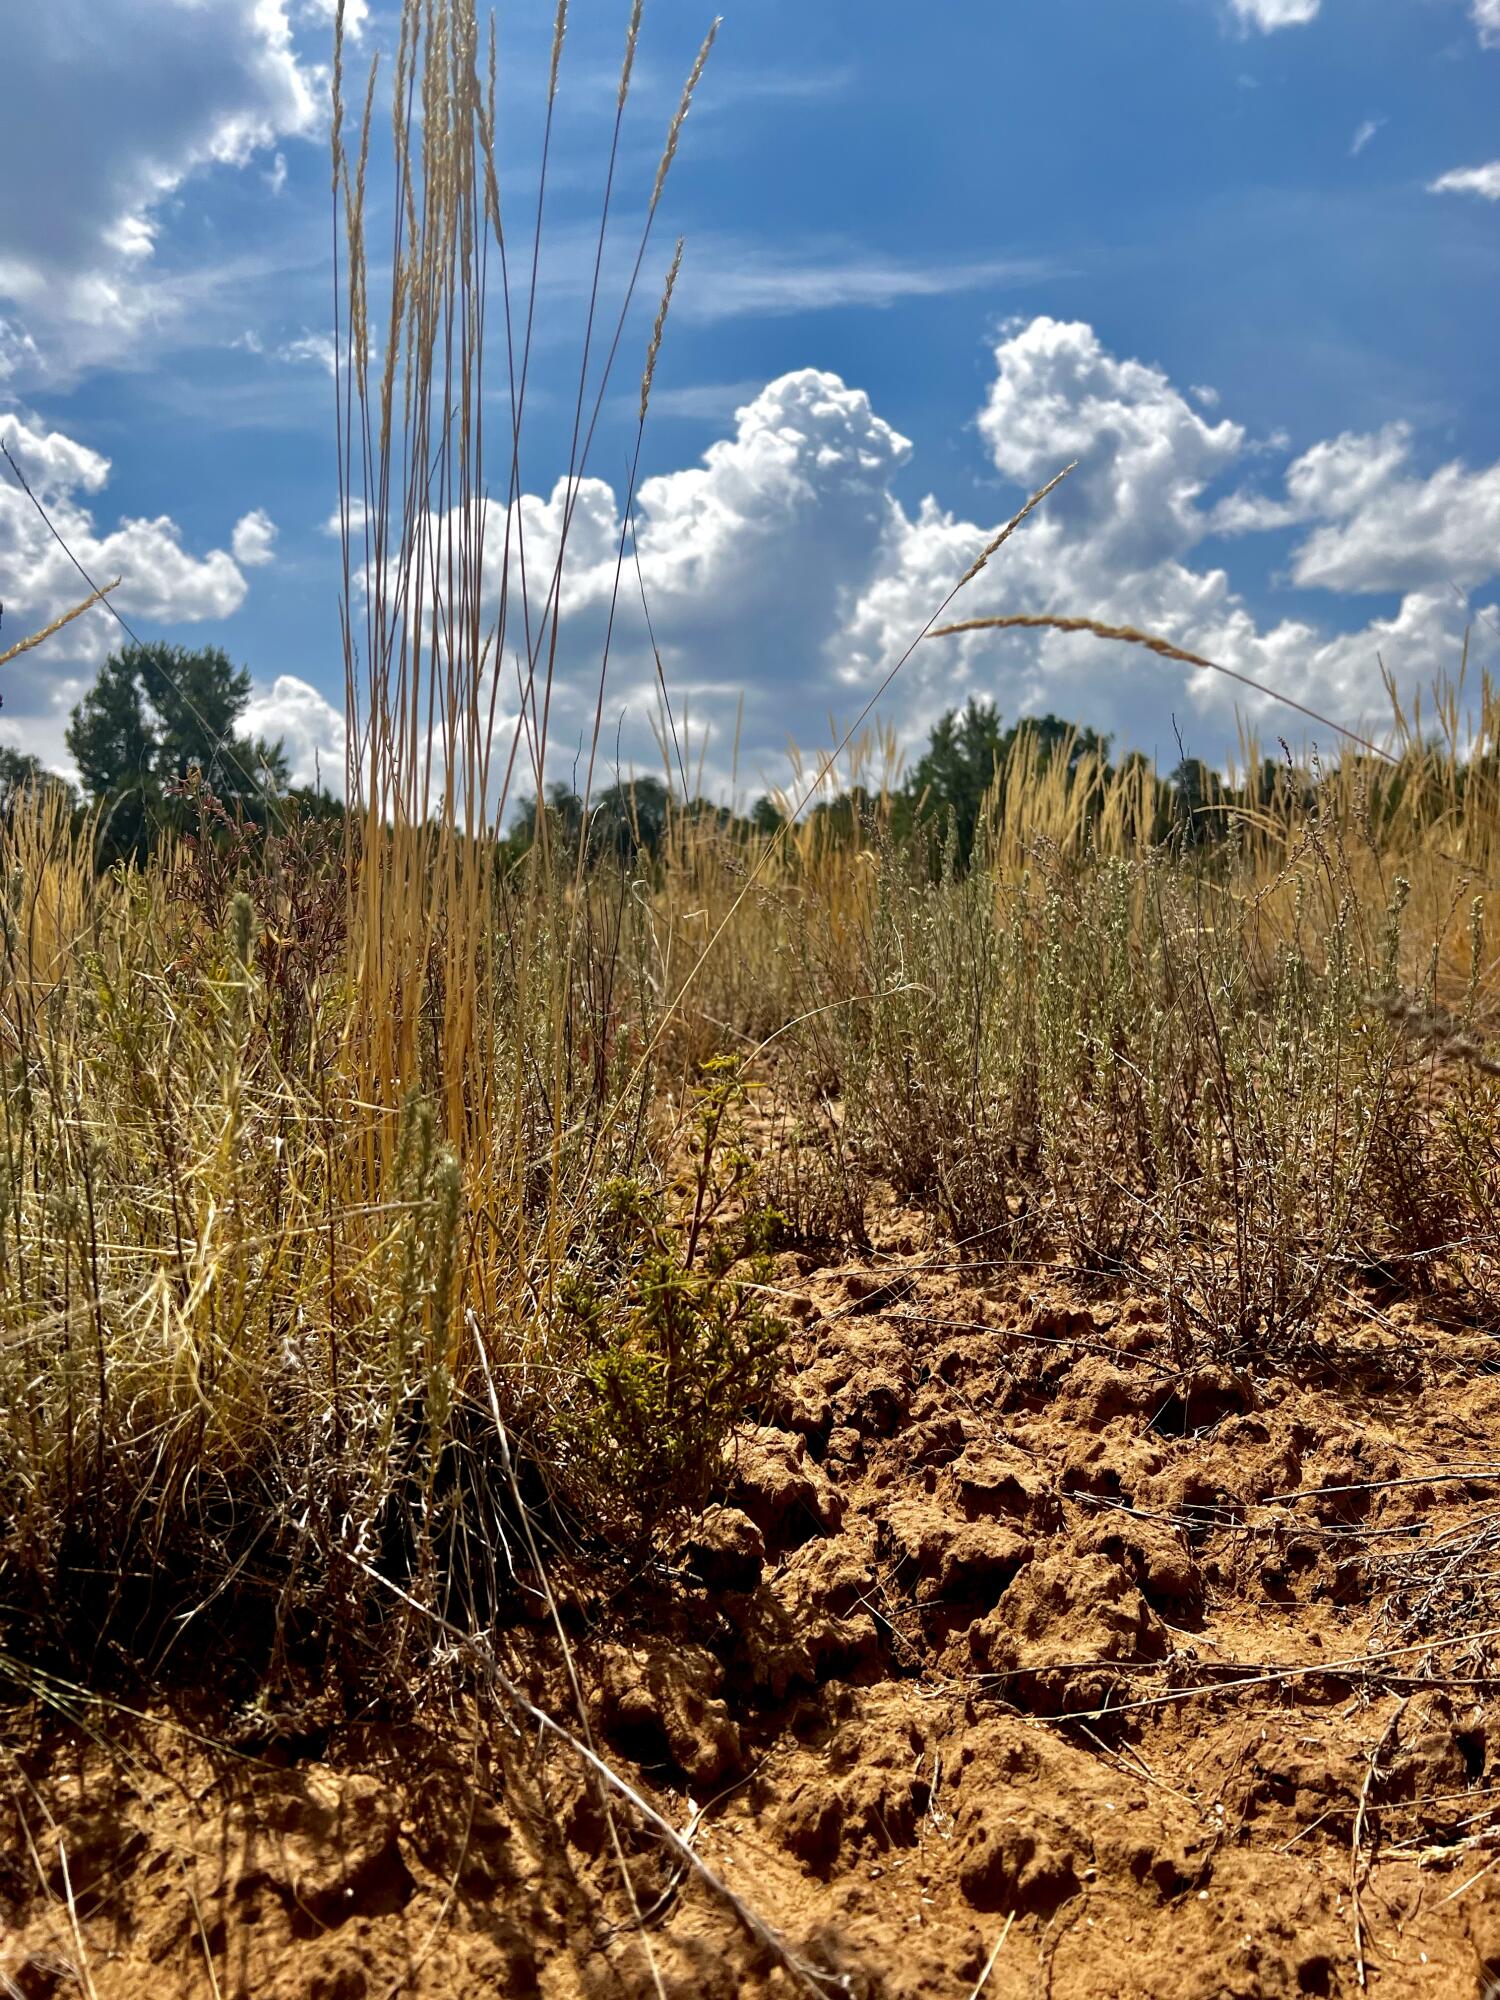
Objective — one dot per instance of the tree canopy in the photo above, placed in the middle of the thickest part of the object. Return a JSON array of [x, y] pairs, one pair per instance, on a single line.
[[155, 715], [21, 772], [966, 752]]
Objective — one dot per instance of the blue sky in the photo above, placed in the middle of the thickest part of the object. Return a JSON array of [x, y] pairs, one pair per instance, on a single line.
[[1240, 258]]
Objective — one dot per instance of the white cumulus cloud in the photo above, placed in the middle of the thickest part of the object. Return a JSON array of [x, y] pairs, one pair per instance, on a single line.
[[1268, 15], [149, 92], [308, 727], [163, 581], [254, 539], [1377, 523], [1483, 181], [785, 572], [1388, 528], [1058, 395]]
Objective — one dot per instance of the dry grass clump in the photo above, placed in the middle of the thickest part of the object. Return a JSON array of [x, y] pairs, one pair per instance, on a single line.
[[1244, 1074], [261, 1330], [307, 1155]]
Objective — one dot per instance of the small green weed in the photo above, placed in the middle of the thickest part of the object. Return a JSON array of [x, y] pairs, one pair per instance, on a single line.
[[675, 1344]]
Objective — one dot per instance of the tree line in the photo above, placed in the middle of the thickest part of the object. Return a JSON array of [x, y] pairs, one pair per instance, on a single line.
[[161, 726]]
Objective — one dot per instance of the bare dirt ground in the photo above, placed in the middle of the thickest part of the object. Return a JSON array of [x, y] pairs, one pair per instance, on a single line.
[[1007, 1633]]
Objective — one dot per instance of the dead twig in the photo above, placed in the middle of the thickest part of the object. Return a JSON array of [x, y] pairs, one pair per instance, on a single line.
[[989, 1964], [808, 1978], [1357, 1869]]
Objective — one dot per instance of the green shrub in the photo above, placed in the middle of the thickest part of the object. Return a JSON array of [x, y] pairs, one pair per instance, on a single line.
[[666, 1317]]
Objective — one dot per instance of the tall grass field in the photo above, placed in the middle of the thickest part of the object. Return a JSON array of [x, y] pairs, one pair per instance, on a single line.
[[401, 1208]]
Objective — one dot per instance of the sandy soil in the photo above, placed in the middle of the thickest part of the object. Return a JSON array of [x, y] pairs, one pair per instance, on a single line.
[[1006, 1633]]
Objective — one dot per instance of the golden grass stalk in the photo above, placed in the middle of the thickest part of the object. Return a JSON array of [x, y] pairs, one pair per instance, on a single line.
[[424, 685], [997, 542], [1128, 635], [679, 118], [559, 32], [38, 638], [658, 328], [627, 67]]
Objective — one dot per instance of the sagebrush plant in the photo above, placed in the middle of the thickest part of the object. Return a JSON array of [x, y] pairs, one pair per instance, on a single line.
[[817, 1185]]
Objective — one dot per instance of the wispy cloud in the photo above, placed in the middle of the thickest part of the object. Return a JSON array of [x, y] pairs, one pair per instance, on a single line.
[[315, 347], [1483, 181], [1363, 135], [772, 85], [725, 281], [1268, 15], [18, 351], [712, 402]]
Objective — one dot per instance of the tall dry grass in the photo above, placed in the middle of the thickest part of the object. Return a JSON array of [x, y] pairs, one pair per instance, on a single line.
[[339, 1183], [296, 1165], [265, 1301]]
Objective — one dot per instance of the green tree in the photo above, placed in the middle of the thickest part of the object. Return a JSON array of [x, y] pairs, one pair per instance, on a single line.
[[155, 715], [628, 817], [1199, 801], [624, 820], [559, 822], [111, 743], [21, 772], [955, 771], [766, 816], [965, 752]]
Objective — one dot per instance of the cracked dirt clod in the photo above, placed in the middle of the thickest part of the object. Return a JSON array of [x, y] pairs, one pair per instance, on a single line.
[[329, 1846], [937, 1556], [663, 1702], [726, 1549], [1063, 1616], [992, 1478], [774, 1480], [1016, 1860], [1155, 1555]]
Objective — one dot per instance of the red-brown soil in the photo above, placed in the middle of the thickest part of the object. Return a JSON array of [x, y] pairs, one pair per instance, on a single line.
[[956, 1659]]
